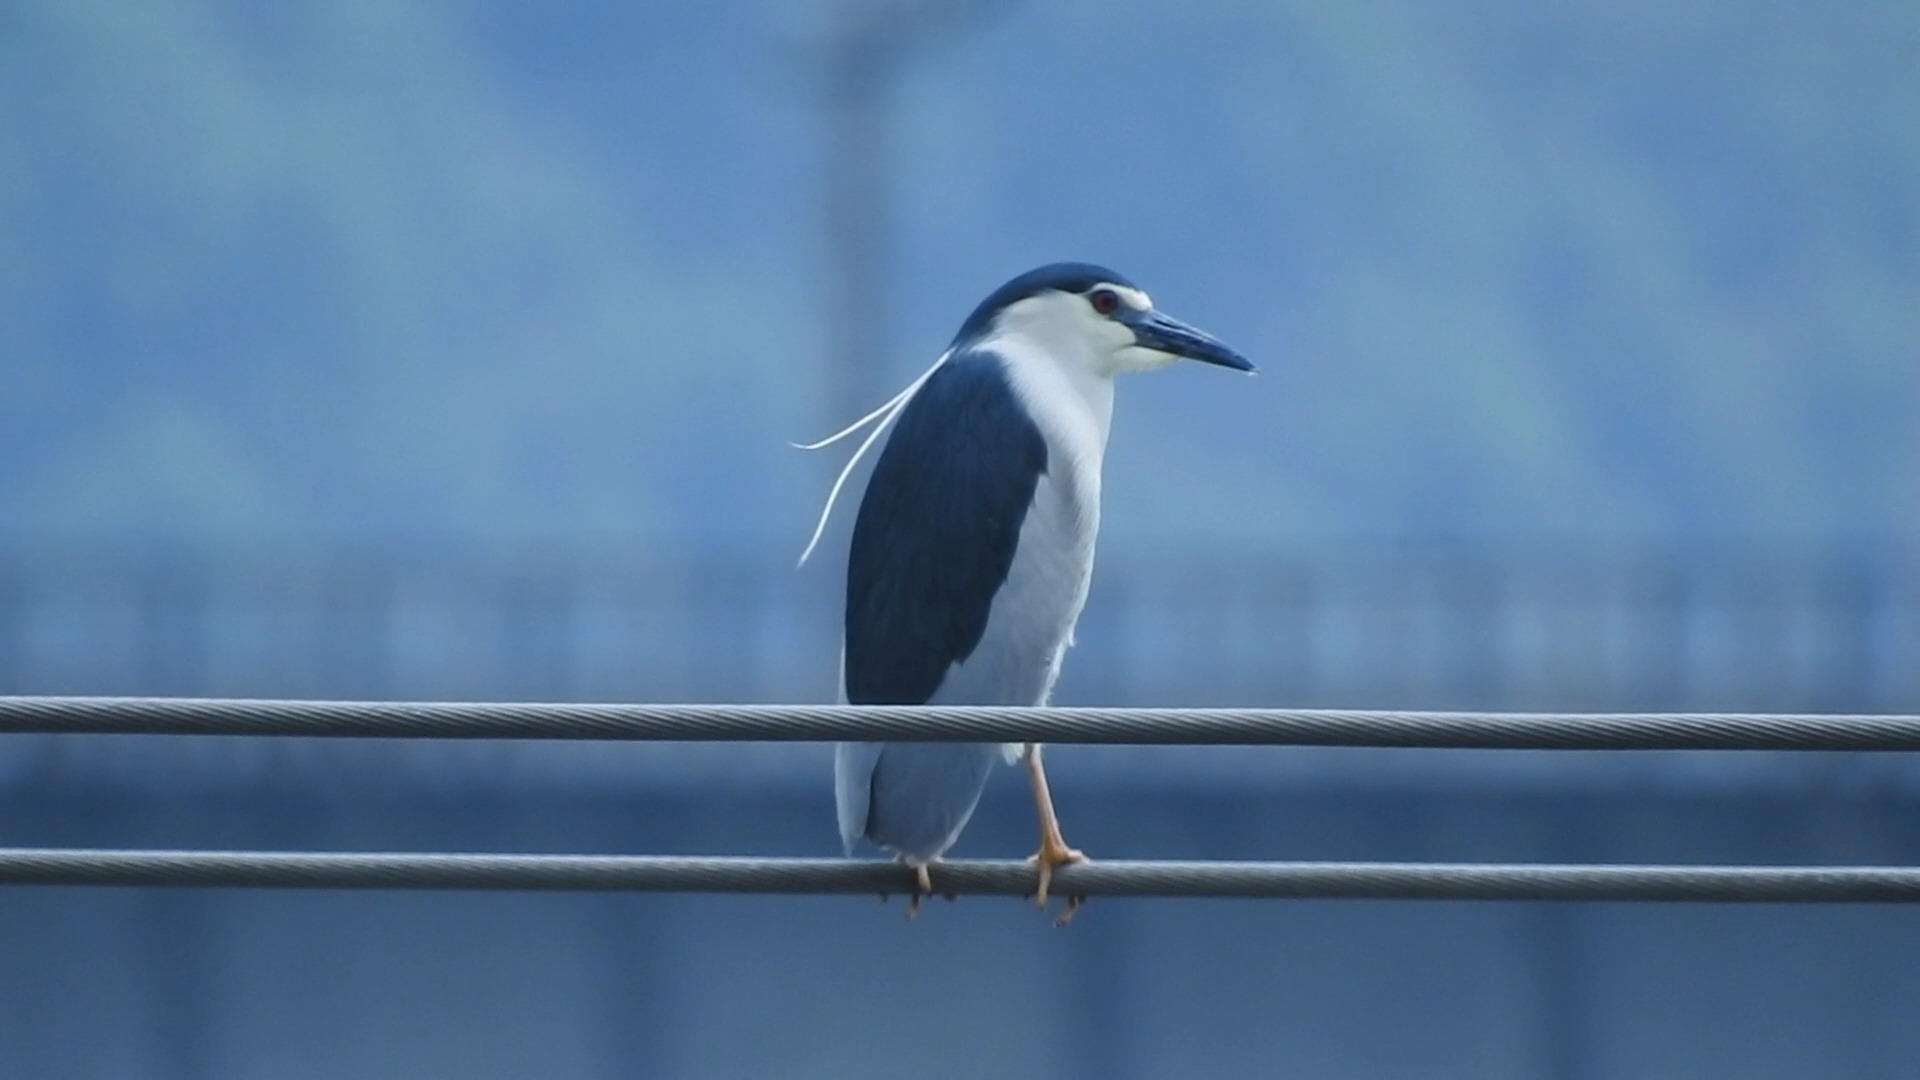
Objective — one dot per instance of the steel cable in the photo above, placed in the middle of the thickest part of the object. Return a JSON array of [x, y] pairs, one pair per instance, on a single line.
[[1166, 726], [1406, 881]]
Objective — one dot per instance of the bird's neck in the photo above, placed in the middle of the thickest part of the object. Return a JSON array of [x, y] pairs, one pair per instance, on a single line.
[[1064, 388]]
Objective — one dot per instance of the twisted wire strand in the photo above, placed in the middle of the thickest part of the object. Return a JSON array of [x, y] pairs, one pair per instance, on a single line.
[[958, 723], [1404, 881]]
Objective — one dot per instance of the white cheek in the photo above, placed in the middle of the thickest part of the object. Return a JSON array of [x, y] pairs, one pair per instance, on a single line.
[[1115, 335], [1139, 358]]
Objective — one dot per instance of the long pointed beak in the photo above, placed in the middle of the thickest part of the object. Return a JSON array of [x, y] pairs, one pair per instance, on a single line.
[[1164, 333]]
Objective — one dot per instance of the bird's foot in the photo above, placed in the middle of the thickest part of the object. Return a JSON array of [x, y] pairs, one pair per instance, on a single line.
[[1054, 853], [1067, 909], [922, 888]]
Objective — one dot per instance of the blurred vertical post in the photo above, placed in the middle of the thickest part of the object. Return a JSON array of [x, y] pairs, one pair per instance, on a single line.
[[867, 47], [855, 208]]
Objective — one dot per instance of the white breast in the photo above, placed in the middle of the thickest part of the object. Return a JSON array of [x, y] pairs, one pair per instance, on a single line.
[[1031, 621]]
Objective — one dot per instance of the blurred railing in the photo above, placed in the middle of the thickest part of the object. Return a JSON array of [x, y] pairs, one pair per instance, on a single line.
[[1371, 627]]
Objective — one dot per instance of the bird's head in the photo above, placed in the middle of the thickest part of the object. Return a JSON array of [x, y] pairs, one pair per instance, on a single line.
[[1088, 314]]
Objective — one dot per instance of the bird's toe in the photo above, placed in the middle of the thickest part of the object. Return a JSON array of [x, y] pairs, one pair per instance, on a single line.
[[1049, 858]]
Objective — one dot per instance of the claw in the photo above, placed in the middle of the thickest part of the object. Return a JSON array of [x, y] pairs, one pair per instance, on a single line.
[[1046, 860], [1066, 913]]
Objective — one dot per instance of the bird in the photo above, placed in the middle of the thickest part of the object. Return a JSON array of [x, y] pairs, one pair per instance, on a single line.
[[973, 547]]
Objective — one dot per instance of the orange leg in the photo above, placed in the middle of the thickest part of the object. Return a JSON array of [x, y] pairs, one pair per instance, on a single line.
[[1054, 851]]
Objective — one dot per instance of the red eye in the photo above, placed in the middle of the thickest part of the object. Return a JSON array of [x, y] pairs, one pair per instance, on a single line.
[[1104, 301]]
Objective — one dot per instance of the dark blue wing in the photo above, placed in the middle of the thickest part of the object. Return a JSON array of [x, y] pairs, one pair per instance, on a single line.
[[937, 530]]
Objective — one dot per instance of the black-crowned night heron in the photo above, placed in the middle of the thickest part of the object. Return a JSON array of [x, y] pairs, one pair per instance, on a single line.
[[974, 544]]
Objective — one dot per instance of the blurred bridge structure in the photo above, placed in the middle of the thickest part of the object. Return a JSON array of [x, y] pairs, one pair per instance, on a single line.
[[1380, 627], [204, 983]]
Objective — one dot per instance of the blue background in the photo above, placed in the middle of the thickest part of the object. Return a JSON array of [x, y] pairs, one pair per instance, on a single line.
[[453, 350]]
